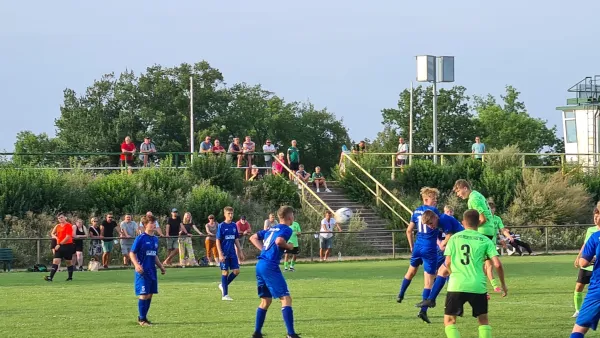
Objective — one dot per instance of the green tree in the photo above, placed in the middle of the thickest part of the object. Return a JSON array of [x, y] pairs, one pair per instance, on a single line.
[[30, 143]]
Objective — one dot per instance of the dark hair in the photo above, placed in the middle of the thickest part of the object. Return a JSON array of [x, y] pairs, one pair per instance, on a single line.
[[284, 211], [149, 219], [471, 217], [459, 184]]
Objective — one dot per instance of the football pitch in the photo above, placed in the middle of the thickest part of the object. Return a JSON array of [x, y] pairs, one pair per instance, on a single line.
[[347, 299]]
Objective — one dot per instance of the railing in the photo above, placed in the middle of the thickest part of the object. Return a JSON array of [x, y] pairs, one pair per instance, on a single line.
[[379, 188], [349, 244]]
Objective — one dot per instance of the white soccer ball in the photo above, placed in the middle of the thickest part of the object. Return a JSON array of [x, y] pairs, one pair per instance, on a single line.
[[343, 215]]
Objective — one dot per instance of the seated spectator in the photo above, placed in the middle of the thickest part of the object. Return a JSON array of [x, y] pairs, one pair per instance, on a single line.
[[302, 175], [235, 152], [359, 148], [205, 146], [277, 165], [127, 153], [147, 152], [319, 180], [218, 148], [269, 150], [244, 230], [248, 149], [254, 176]]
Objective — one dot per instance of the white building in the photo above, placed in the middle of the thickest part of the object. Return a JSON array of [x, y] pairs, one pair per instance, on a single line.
[[581, 123]]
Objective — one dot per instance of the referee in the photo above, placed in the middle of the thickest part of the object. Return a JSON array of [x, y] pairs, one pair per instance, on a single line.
[[65, 249]]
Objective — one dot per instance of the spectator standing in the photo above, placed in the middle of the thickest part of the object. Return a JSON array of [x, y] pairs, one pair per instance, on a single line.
[[218, 148], [206, 146], [79, 233], [127, 232], [210, 244], [235, 152], [185, 241], [278, 165], [478, 149], [270, 222], [269, 150], [319, 180], [107, 229], [95, 244], [328, 224], [147, 151], [359, 148], [248, 149], [174, 227], [401, 153], [157, 230], [293, 157], [302, 176], [127, 153], [244, 229]]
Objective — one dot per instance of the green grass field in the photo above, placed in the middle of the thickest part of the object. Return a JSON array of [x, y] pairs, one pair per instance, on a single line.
[[348, 299]]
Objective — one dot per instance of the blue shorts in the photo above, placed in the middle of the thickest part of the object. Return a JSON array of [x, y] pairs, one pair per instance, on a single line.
[[145, 286], [230, 263], [425, 256], [441, 260], [270, 281], [589, 315]]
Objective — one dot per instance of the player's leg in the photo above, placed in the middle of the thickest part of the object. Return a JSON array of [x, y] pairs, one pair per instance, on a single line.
[[583, 278], [223, 286], [453, 308], [144, 289], [294, 257], [322, 248], [265, 301], [234, 265], [415, 261], [588, 318], [288, 316], [278, 288], [438, 285], [55, 264], [450, 327], [429, 270], [69, 250], [579, 331], [479, 303], [285, 261]]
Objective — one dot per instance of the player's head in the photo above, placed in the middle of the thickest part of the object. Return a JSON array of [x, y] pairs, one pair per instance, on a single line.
[[462, 188], [470, 219], [149, 224], [430, 219], [285, 215], [448, 210], [430, 196], [492, 206], [61, 218], [228, 213]]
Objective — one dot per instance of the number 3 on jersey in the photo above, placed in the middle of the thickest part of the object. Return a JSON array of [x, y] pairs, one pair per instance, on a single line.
[[466, 250]]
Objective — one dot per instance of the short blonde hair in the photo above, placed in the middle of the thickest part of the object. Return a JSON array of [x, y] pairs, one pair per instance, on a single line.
[[448, 208], [428, 217], [429, 192]]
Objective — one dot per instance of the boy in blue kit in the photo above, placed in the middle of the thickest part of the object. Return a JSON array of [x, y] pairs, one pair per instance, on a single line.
[[589, 314], [424, 250], [144, 258], [228, 246], [271, 284]]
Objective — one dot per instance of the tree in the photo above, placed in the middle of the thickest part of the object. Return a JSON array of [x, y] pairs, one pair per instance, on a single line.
[[30, 143], [456, 127]]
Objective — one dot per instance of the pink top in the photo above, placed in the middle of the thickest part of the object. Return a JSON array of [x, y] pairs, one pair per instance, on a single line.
[[277, 166]]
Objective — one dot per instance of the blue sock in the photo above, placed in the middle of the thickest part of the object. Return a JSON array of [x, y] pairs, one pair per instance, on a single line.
[[141, 308], [405, 284], [426, 293], [261, 314], [148, 302], [288, 318], [576, 335], [224, 284], [438, 285], [146, 308], [230, 278]]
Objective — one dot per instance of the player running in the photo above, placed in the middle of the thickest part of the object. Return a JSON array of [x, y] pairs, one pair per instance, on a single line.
[[589, 314], [270, 281], [292, 254], [466, 253], [424, 250], [585, 273], [64, 249], [228, 246], [144, 258]]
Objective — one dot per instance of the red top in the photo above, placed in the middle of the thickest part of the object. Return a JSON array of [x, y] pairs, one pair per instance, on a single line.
[[218, 149], [62, 231], [128, 147], [242, 227]]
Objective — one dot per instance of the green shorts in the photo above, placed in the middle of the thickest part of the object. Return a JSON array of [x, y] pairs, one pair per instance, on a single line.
[[107, 246]]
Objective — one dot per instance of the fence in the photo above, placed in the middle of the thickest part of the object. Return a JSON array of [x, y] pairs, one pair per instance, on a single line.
[[355, 244]]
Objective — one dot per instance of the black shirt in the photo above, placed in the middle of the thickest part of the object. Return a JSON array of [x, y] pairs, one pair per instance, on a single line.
[[174, 224], [188, 228], [109, 229]]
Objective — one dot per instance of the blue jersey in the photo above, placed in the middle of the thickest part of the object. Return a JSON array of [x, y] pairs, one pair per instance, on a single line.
[[448, 225], [591, 249], [271, 252], [227, 233], [145, 248], [426, 236]]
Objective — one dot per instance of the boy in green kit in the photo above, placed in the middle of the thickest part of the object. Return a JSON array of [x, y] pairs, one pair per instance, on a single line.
[[295, 251], [466, 253]]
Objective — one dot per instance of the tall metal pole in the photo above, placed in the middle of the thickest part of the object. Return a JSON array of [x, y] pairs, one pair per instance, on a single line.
[[192, 139], [410, 126], [435, 140]]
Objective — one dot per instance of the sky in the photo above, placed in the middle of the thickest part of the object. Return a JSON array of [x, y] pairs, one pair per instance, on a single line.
[[352, 57]]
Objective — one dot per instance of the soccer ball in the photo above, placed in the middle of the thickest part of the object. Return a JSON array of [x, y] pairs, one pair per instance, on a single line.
[[343, 215]]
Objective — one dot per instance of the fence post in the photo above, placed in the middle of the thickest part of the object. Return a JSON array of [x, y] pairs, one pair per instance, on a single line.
[[546, 233], [38, 251], [562, 163], [311, 250], [377, 194], [393, 246], [441, 159], [393, 167]]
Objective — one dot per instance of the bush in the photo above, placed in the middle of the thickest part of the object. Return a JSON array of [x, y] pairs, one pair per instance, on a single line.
[[503, 159], [500, 186], [218, 171], [206, 199], [274, 191]]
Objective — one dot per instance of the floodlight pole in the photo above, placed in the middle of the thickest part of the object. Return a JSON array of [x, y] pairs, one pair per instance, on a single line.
[[435, 123], [192, 118], [410, 127]]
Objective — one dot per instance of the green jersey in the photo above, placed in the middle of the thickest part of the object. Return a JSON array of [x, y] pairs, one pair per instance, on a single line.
[[295, 230], [479, 203], [590, 231], [498, 225], [317, 175], [294, 154], [468, 250]]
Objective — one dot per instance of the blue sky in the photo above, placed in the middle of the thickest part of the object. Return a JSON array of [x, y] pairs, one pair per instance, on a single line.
[[352, 57]]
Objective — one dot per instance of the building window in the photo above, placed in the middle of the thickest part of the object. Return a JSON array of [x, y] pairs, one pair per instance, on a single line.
[[569, 115], [571, 131]]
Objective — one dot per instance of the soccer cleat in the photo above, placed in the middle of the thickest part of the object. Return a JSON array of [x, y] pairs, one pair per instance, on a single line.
[[292, 269], [144, 323], [427, 303], [227, 298], [257, 335], [286, 269], [47, 279], [423, 316], [399, 299], [69, 279], [295, 335], [575, 314]]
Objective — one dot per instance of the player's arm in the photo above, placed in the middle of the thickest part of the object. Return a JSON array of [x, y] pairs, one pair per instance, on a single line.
[[409, 235], [588, 252], [53, 232], [500, 271], [507, 234], [282, 243], [257, 240], [238, 249], [445, 241], [579, 256], [160, 265], [448, 261]]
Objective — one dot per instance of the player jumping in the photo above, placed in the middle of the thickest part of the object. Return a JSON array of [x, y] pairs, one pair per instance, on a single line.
[[228, 246]]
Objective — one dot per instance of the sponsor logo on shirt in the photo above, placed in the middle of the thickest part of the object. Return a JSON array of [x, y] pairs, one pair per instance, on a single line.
[[229, 237], [150, 252]]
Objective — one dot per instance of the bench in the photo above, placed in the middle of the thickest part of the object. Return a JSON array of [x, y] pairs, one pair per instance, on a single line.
[[6, 257]]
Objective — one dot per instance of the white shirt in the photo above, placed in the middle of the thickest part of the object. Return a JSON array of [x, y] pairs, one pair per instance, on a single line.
[[268, 149], [404, 149], [327, 226]]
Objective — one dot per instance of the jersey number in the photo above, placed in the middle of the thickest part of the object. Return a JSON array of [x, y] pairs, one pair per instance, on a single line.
[[267, 242], [466, 250], [422, 226]]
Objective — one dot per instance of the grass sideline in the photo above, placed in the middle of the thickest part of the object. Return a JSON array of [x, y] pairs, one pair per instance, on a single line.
[[353, 299]]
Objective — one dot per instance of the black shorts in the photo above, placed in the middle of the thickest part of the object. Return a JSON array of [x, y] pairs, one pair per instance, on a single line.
[[455, 302], [294, 251], [294, 166], [584, 276], [53, 243], [66, 252], [78, 245]]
